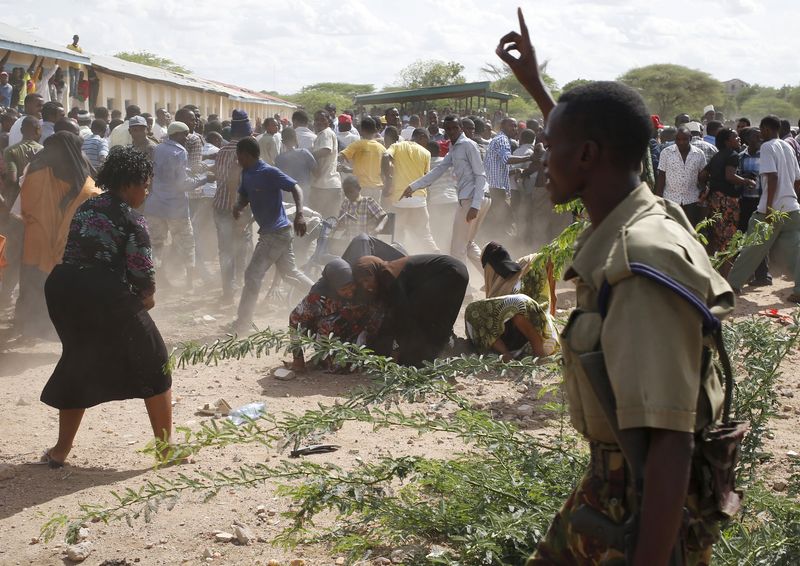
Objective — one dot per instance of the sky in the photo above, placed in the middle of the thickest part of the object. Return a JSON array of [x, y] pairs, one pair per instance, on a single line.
[[282, 45]]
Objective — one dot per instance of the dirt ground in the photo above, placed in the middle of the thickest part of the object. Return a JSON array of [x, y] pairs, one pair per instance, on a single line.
[[106, 457]]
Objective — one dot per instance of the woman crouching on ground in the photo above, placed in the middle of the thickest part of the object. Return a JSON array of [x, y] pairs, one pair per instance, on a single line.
[[98, 300], [331, 308]]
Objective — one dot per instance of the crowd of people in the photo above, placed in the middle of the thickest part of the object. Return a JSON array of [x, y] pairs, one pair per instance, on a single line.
[[386, 213]]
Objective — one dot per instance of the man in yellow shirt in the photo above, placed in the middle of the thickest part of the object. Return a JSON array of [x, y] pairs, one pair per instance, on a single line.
[[366, 156], [74, 68], [409, 160]]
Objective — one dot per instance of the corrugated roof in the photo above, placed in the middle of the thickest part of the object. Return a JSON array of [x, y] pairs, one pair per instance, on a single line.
[[115, 65], [481, 88], [21, 41]]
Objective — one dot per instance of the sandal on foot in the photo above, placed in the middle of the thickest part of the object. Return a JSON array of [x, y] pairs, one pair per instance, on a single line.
[[49, 461]]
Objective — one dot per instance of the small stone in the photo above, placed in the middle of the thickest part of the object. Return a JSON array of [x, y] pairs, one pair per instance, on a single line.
[[148, 546], [79, 552], [243, 534], [273, 562], [207, 553], [792, 454], [524, 411], [779, 485], [297, 562], [284, 374], [34, 540], [381, 561], [460, 387], [770, 435], [522, 388], [339, 561], [261, 509], [22, 402], [224, 537], [83, 533]]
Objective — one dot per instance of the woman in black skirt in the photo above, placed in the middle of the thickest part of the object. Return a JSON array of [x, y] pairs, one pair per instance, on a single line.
[[98, 300], [421, 295]]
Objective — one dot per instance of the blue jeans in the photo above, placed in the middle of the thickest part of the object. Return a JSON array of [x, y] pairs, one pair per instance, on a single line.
[[235, 242], [273, 248]]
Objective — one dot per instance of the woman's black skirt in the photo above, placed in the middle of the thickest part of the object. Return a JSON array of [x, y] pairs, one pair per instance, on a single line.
[[112, 349]]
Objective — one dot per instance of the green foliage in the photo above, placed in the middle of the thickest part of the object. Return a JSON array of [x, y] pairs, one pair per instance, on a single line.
[[152, 60], [431, 72], [577, 82], [489, 503], [763, 104], [314, 97], [672, 89], [523, 106]]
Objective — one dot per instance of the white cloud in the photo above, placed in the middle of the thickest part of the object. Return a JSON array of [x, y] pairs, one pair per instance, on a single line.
[[285, 45]]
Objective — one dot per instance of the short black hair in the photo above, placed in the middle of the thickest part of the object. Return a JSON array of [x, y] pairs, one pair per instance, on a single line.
[[467, 122], [722, 138], [125, 165], [351, 180], [613, 115], [682, 119], [31, 97], [248, 145], [744, 120], [288, 134], [66, 125], [98, 127], [450, 118], [392, 132], [132, 111], [527, 136], [300, 118], [433, 147], [50, 111], [771, 121], [712, 127], [368, 125], [480, 125], [748, 133], [212, 126]]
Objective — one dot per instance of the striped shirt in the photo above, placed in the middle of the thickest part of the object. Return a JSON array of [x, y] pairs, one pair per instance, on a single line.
[[229, 176], [496, 162], [96, 150]]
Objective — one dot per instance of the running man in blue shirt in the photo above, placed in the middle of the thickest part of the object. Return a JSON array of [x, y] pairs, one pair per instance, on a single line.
[[261, 188]]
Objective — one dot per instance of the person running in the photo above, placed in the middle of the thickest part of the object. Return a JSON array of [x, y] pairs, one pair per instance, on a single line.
[[99, 298]]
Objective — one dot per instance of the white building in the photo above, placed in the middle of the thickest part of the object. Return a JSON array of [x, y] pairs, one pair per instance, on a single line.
[[122, 83]]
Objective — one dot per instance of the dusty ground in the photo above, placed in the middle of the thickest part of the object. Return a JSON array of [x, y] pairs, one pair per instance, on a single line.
[[105, 455]]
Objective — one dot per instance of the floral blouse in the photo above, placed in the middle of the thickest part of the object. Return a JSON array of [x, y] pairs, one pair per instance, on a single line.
[[106, 232]]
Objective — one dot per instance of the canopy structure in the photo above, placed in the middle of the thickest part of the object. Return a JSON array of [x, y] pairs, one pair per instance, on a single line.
[[468, 96]]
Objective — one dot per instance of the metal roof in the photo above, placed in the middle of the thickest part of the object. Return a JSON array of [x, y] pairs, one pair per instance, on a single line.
[[22, 41], [432, 93], [115, 65]]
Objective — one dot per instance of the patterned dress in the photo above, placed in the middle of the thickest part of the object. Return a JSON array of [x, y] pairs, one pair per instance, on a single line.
[[112, 349], [488, 320], [326, 316]]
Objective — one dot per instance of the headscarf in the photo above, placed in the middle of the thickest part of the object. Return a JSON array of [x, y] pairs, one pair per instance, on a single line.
[[498, 257], [385, 272], [63, 154], [335, 275]]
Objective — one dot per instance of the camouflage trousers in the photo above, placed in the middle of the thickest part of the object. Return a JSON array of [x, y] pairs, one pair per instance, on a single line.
[[606, 488]]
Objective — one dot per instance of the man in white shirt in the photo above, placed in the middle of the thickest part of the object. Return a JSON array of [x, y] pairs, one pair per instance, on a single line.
[[270, 141], [413, 124], [305, 137], [325, 195], [161, 124], [33, 107], [780, 177], [120, 134], [345, 133], [678, 168], [472, 189]]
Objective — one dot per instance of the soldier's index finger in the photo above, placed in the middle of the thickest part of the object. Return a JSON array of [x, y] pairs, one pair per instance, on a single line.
[[523, 29]]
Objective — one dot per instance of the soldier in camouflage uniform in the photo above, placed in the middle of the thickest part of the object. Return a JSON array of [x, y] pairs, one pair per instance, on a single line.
[[655, 350]]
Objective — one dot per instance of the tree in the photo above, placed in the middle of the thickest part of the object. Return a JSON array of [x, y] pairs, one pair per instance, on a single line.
[[314, 100], [577, 82], [152, 60], [760, 105], [431, 72], [342, 89], [672, 89]]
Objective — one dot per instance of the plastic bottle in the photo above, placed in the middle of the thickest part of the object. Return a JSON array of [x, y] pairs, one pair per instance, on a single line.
[[250, 411]]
